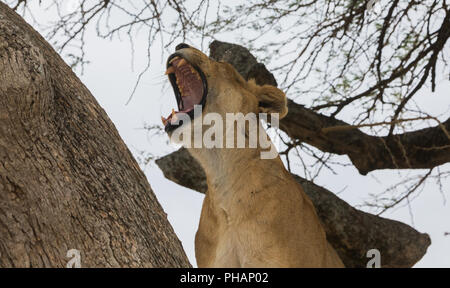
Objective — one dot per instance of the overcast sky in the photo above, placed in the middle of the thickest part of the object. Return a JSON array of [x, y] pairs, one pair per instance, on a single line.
[[110, 79]]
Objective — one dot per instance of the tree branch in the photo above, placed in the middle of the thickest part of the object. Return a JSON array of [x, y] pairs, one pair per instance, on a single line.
[[350, 231], [425, 148]]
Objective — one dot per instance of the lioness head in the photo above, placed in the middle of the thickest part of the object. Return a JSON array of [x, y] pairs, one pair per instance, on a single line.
[[216, 86]]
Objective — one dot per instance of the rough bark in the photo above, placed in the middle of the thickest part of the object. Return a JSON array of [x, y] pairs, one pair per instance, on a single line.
[[425, 148], [67, 180], [350, 231]]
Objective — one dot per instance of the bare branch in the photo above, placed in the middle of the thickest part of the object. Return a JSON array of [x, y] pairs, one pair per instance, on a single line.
[[425, 148]]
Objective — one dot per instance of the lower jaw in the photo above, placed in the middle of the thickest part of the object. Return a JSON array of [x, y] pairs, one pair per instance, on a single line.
[[172, 127]]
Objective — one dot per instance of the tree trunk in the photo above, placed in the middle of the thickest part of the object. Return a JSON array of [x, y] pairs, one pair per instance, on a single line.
[[67, 180]]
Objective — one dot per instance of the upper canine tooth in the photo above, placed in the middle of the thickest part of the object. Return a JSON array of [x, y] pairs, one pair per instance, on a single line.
[[182, 62], [170, 70], [173, 116], [173, 59]]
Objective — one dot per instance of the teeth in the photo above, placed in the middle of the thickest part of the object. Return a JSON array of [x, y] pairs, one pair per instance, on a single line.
[[173, 116], [174, 58], [180, 88], [195, 73], [170, 70], [181, 63], [181, 91], [164, 120]]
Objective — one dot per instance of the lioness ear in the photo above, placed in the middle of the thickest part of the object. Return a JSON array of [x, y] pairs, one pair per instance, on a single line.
[[270, 98]]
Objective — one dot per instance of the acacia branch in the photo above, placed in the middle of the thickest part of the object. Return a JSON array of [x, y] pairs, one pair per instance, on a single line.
[[425, 148]]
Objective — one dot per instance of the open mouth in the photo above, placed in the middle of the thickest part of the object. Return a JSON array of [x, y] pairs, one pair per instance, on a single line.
[[190, 88]]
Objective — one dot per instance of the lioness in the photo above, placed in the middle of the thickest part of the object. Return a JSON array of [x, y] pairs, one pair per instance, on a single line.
[[254, 213]]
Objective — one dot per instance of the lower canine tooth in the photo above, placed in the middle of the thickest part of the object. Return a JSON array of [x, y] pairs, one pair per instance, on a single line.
[[164, 120], [174, 116]]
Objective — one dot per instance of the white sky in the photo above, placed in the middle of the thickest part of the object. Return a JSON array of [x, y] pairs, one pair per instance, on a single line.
[[110, 79]]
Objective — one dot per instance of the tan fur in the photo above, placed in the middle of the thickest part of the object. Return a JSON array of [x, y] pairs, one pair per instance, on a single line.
[[254, 213]]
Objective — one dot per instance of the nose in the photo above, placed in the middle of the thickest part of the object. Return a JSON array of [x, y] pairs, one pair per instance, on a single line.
[[181, 46]]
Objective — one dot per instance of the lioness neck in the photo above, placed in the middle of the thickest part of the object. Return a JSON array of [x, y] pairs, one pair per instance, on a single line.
[[229, 171], [258, 200]]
